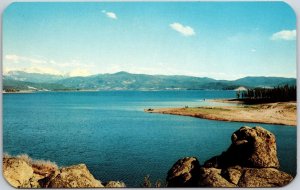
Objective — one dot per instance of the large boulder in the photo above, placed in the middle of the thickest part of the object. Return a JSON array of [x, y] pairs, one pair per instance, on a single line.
[[243, 177], [250, 161], [211, 177], [17, 172], [264, 177], [23, 172], [184, 173], [251, 147], [77, 176]]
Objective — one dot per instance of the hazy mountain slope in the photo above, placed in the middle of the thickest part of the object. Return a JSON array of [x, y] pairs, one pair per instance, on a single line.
[[23, 85], [33, 77], [264, 81], [129, 81], [124, 80]]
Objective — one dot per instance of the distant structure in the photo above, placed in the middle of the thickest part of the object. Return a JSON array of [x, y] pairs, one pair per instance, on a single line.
[[241, 88], [240, 91]]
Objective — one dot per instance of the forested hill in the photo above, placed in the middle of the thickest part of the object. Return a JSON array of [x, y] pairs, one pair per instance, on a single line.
[[127, 81]]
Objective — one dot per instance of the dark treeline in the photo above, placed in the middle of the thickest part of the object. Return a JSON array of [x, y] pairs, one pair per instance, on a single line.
[[276, 94]]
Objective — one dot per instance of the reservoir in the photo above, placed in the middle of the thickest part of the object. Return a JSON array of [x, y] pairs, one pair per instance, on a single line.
[[110, 132]]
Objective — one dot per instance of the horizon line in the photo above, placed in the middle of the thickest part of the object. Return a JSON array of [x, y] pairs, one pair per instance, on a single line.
[[122, 71]]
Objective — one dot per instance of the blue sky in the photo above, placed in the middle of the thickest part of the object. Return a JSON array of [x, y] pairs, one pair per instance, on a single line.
[[217, 40]]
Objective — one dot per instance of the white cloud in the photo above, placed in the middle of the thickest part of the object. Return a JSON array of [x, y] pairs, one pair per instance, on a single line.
[[284, 35], [73, 67], [79, 72], [42, 70], [111, 15], [184, 30], [6, 70], [17, 59], [53, 71], [12, 58]]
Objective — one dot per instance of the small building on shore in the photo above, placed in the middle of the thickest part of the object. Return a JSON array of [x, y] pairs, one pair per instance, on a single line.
[[241, 88]]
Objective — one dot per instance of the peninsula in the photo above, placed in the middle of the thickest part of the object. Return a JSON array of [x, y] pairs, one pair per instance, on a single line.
[[282, 113]]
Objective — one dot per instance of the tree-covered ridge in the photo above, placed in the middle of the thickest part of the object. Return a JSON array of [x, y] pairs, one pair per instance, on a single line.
[[277, 94], [130, 81]]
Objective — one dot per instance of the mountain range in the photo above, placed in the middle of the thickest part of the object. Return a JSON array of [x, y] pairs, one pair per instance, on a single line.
[[20, 80]]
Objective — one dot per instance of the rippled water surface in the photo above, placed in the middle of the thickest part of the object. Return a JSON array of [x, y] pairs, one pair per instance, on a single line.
[[115, 138]]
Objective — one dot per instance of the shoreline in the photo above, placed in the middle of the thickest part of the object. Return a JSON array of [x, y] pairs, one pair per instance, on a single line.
[[279, 113], [106, 90], [226, 100]]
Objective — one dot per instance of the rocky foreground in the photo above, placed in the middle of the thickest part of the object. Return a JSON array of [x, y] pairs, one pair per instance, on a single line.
[[22, 172], [250, 161]]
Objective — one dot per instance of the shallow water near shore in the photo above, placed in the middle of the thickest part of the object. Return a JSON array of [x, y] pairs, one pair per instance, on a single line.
[[110, 132]]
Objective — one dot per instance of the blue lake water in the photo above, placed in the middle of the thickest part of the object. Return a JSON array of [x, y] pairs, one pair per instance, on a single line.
[[116, 139]]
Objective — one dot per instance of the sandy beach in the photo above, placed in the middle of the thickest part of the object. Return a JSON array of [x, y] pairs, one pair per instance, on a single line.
[[19, 92], [283, 113]]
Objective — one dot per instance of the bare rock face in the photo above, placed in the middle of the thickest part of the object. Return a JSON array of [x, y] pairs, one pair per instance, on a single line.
[[77, 176], [251, 147], [211, 177], [184, 173], [17, 172], [243, 177], [261, 145], [23, 172], [232, 174], [250, 161], [264, 177], [43, 170], [115, 184]]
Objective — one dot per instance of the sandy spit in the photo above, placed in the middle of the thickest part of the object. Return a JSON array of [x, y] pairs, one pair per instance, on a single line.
[[282, 113]]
